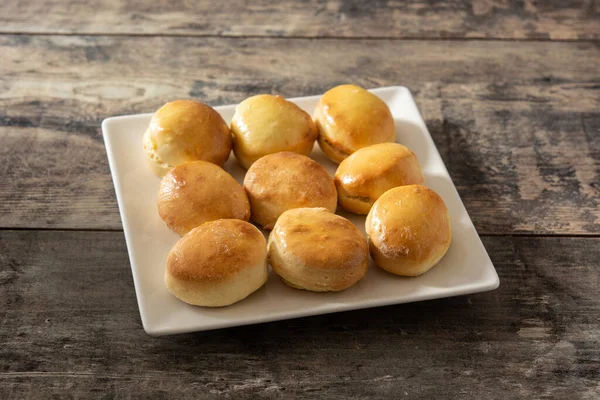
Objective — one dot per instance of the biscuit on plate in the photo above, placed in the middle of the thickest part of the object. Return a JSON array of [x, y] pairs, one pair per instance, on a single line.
[[316, 250], [266, 124], [186, 130], [348, 118], [282, 181], [197, 192], [371, 171], [217, 264], [408, 230]]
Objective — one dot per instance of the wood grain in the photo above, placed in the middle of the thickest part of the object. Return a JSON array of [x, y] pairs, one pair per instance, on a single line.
[[516, 119], [517, 123], [505, 19], [70, 326]]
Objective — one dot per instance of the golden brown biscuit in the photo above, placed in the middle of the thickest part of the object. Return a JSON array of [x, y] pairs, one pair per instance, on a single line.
[[349, 118], [217, 264], [266, 124], [409, 230], [314, 249], [371, 171], [197, 192], [186, 130], [282, 181]]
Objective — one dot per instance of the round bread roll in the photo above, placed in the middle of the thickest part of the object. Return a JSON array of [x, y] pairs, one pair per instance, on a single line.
[[186, 130], [349, 118], [282, 181], [314, 249], [217, 264], [266, 124], [197, 192], [371, 171], [408, 230]]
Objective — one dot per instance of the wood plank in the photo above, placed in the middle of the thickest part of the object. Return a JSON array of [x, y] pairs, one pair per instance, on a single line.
[[314, 18], [69, 321], [517, 124]]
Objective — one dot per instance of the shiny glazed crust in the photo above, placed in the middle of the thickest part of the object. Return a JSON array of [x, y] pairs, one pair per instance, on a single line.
[[408, 230], [314, 249], [217, 264], [186, 130], [282, 181], [371, 171], [266, 124], [349, 118], [197, 192]]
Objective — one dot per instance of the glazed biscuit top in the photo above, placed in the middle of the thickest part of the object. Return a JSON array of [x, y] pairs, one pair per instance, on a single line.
[[217, 250], [186, 130], [370, 171], [200, 189], [320, 238], [289, 178], [351, 118], [265, 124], [409, 221]]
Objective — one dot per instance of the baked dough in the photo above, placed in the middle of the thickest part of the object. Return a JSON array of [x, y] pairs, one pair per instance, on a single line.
[[186, 130], [197, 192], [409, 230], [314, 249], [349, 118], [217, 264], [266, 124], [371, 171], [282, 181]]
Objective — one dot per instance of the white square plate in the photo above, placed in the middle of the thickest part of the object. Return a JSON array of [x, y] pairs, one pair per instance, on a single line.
[[466, 268]]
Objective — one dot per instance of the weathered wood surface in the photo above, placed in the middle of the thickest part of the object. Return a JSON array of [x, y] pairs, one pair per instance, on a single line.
[[517, 123], [70, 327], [504, 19]]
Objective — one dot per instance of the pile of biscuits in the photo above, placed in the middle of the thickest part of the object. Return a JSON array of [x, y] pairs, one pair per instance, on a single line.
[[222, 258]]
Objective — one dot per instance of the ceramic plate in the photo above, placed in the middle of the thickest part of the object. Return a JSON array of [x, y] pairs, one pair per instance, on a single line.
[[466, 268]]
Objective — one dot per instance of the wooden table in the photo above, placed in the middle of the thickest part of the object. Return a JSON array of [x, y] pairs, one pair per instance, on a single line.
[[510, 92]]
